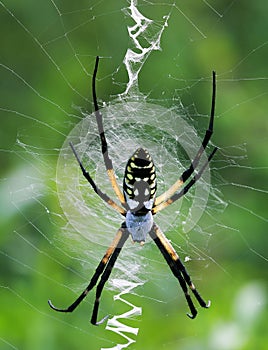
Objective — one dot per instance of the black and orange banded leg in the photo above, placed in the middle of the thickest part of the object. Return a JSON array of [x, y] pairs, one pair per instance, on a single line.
[[188, 172], [104, 270], [96, 189], [186, 188], [178, 269], [105, 276], [104, 146]]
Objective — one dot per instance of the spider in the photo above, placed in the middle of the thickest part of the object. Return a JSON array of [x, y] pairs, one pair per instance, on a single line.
[[138, 205]]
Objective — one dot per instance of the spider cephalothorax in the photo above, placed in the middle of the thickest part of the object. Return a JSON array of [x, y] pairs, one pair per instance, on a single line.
[[138, 204]]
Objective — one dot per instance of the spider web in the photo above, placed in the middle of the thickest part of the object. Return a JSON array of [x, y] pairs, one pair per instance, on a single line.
[[54, 230]]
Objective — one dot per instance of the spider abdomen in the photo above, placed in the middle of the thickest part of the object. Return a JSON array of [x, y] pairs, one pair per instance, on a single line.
[[140, 182]]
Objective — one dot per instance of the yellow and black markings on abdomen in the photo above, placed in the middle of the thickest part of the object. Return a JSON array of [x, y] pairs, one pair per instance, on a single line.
[[140, 177]]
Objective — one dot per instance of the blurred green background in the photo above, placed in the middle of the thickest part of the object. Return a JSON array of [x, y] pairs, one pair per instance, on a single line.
[[47, 56]]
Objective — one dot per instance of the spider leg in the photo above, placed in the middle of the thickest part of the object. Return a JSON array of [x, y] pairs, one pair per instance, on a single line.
[[104, 270], [101, 194], [188, 172], [105, 276], [104, 147], [185, 189], [178, 269]]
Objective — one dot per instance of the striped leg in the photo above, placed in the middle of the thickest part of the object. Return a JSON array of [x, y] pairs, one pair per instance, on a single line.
[[185, 189], [188, 172], [178, 269], [97, 190], [104, 270], [104, 146]]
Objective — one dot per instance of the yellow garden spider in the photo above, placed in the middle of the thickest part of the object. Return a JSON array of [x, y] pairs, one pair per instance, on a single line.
[[138, 205]]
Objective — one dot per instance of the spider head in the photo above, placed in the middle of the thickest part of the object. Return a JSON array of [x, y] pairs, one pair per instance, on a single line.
[[140, 182]]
